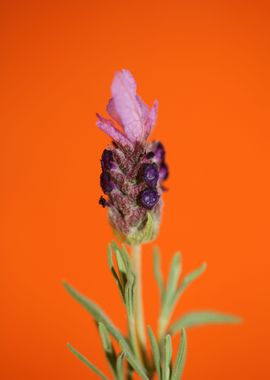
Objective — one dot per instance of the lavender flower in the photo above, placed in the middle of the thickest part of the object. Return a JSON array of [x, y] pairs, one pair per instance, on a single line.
[[132, 177], [133, 170]]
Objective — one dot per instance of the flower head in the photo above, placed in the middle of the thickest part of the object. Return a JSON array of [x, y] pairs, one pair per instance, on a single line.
[[133, 170]]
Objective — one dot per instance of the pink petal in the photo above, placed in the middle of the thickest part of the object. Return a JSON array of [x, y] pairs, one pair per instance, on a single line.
[[112, 111], [143, 106], [108, 127], [126, 106], [151, 119]]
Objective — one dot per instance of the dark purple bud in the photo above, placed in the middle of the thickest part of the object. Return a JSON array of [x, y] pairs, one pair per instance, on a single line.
[[106, 183], [148, 198], [163, 171], [107, 160], [160, 152], [150, 174], [102, 201]]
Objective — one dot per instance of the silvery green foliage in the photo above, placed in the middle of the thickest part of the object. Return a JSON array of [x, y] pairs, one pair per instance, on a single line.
[[132, 356]]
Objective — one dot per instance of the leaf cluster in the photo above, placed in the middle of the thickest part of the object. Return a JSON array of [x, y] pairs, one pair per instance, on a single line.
[[131, 356]]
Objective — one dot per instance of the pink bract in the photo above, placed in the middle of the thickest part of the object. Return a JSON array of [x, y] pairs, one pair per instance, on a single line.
[[128, 111]]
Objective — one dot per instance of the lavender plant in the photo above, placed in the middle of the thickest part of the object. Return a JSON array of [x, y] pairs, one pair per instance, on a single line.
[[132, 180]]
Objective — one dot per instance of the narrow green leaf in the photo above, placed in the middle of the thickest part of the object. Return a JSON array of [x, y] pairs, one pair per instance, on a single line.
[[94, 310], [157, 272], [155, 351], [120, 366], [173, 278], [122, 268], [120, 252], [105, 338], [127, 261], [132, 359], [115, 246], [180, 358], [127, 281], [108, 347], [130, 280], [114, 273], [175, 270], [201, 318], [169, 304], [124, 263], [86, 362], [126, 258], [121, 262], [188, 280], [167, 357], [130, 293]]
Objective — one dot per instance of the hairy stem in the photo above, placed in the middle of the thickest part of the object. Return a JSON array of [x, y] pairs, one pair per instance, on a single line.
[[133, 336], [139, 313]]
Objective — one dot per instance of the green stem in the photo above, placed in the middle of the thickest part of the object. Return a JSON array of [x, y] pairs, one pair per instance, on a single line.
[[139, 314], [133, 336], [162, 326]]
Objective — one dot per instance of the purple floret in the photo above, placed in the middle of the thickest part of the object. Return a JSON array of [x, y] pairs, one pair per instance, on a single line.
[[160, 152], [148, 198], [107, 160], [106, 183], [150, 174]]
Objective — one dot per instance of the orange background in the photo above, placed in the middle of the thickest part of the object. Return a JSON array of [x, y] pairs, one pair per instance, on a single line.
[[208, 65]]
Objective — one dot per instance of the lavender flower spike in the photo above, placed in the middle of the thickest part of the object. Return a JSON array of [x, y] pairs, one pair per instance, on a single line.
[[132, 169]]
